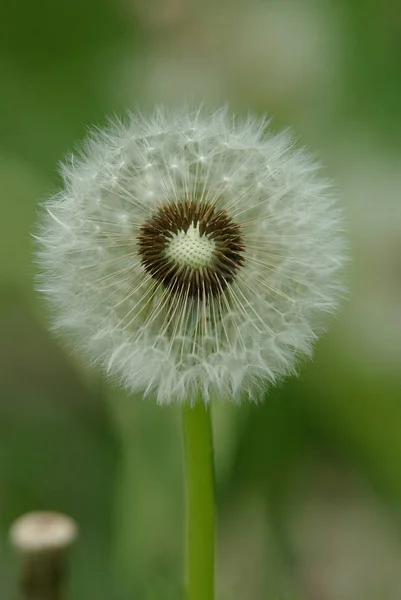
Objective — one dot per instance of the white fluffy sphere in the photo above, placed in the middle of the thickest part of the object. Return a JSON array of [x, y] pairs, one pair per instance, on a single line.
[[44, 531], [191, 254]]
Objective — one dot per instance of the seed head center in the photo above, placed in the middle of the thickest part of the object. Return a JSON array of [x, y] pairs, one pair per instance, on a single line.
[[190, 248], [194, 248]]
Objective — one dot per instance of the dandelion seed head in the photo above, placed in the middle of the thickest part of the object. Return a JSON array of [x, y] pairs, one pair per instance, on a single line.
[[191, 254], [45, 531]]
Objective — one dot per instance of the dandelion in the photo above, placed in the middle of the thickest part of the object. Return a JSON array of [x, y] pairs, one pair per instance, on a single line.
[[41, 539], [192, 256]]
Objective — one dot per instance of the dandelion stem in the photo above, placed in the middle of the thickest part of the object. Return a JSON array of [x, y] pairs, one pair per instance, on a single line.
[[42, 577], [200, 502]]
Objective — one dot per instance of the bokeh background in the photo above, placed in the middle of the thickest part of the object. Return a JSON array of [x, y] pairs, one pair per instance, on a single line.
[[309, 483]]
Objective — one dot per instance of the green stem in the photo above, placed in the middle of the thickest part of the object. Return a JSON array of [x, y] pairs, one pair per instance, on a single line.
[[200, 501]]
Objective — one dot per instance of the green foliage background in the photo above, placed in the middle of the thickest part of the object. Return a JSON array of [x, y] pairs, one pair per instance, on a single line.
[[322, 447]]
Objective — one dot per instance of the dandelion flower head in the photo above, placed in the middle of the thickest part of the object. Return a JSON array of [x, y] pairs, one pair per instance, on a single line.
[[191, 254]]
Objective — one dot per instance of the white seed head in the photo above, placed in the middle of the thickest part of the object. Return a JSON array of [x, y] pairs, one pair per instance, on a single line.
[[37, 532], [192, 255]]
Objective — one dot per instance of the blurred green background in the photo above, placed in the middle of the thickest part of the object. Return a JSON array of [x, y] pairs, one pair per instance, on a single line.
[[309, 483]]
